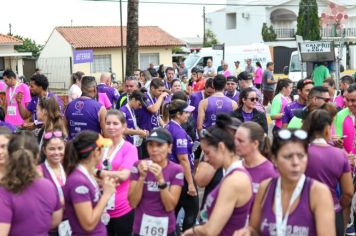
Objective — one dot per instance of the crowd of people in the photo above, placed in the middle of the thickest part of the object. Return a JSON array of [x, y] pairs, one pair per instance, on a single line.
[[171, 155]]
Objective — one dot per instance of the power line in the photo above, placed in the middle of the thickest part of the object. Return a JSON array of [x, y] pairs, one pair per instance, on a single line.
[[217, 4]]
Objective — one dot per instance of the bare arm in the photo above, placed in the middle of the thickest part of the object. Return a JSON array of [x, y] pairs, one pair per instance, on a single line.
[[201, 114], [119, 175], [204, 174], [25, 114], [101, 115], [234, 105], [57, 217], [322, 206], [135, 191], [155, 107], [347, 189], [4, 229], [184, 162], [170, 197]]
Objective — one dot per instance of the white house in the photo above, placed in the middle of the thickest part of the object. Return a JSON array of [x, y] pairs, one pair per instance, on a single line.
[[240, 22], [57, 59]]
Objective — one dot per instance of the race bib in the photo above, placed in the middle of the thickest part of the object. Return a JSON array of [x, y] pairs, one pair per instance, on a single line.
[[11, 110], [154, 226], [64, 229]]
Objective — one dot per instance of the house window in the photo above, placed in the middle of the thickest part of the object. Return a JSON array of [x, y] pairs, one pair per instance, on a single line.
[[230, 20], [147, 58], [101, 63]]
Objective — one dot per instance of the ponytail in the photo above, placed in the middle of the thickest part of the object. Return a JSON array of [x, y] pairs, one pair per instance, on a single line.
[[21, 168], [265, 147], [79, 149]]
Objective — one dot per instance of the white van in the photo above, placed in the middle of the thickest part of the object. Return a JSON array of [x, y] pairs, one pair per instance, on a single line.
[[256, 52]]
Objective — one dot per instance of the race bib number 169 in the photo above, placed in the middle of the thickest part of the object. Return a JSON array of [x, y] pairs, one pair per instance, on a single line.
[[154, 226]]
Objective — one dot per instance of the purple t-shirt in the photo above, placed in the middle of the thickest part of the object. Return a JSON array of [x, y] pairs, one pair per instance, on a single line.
[[239, 216], [234, 96], [30, 212], [327, 164], [112, 93], [82, 114], [147, 120], [182, 143], [289, 111], [32, 106], [151, 203], [261, 172], [247, 116], [195, 99], [78, 189], [300, 220], [129, 121]]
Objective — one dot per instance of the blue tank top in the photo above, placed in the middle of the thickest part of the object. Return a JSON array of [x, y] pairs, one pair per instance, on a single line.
[[300, 221], [82, 114], [215, 106]]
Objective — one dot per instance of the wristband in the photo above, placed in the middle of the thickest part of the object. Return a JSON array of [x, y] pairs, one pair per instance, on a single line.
[[163, 186], [98, 173]]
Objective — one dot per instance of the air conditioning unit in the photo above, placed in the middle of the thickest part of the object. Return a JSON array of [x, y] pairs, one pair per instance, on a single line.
[[245, 15]]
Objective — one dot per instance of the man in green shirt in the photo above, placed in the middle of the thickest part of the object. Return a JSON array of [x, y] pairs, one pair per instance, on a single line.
[[320, 73]]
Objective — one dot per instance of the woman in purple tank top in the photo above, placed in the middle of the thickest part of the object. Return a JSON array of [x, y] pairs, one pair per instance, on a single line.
[[329, 164], [291, 204], [253, 145], [227, 206]]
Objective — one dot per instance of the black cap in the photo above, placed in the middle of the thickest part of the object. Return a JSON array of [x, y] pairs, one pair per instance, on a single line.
[[160, 135], [238, 62], [232, 79], [244, 76]]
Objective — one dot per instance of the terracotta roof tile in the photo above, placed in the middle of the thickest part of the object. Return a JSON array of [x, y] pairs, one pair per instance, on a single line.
[[109, 36], [9, 40]]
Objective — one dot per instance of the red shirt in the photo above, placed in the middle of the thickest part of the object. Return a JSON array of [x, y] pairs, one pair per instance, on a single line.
[[199, 86]]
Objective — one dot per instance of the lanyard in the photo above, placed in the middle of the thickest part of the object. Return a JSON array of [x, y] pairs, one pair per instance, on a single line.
[[234, 165], [85, 172], [12, 92], [54, 177], [132, 114], [108, 159], [281, 223]]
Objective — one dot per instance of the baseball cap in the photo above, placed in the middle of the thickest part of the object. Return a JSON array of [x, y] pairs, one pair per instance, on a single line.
[[160, 135], [244, 76], [238, 62], [231, 79], [184, 107]]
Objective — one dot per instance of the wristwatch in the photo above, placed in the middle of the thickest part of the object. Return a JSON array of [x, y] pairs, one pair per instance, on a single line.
[[163, 186]]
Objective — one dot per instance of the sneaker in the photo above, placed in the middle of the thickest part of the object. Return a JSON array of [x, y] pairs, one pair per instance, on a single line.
[[350, 230]]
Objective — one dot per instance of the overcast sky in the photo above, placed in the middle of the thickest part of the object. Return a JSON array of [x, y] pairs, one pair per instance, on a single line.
[[37, 18]]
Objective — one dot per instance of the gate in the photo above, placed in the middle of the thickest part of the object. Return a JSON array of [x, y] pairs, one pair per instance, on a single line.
[[58, 71], [281, 58]]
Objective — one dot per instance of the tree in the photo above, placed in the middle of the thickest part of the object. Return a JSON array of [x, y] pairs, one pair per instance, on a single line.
[[28, 45], [308, 24], [210, 39], [132, 37], [268, 33]]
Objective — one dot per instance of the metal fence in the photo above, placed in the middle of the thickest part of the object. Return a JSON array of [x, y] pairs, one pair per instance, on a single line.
[[285, 33]]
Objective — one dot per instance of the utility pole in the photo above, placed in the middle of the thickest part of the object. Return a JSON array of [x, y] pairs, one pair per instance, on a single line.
[[122, 44], [204, 34], [10, 33]]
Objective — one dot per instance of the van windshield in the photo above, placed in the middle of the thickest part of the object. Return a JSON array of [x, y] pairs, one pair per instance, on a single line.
[[191, 61], [295, 64]]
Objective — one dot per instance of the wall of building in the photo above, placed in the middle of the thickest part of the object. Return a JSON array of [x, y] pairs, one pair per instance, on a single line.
[[56, 46]]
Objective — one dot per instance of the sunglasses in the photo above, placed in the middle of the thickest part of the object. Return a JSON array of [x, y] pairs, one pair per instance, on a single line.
[[54, 134], [286, 134], [253, 99], [324, 99]]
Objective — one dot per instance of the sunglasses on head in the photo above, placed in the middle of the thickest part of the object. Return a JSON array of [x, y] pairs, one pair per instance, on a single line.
[[54, 134], [205, 133], [286, 134]]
